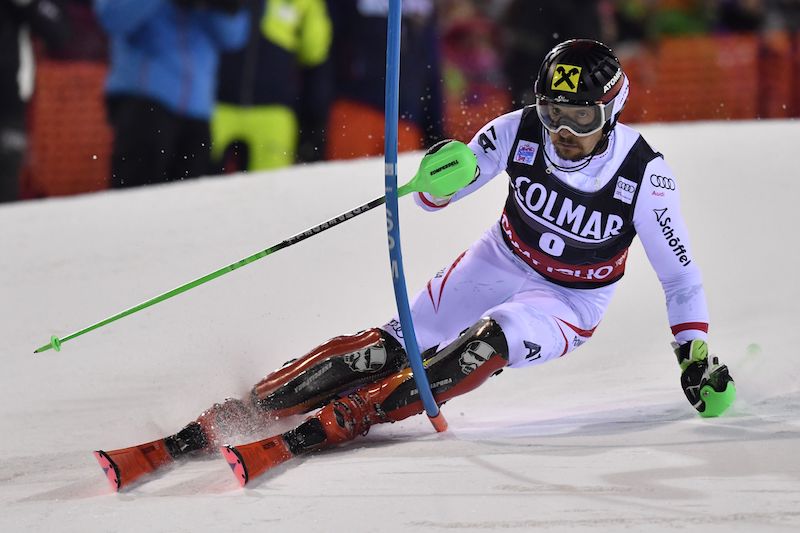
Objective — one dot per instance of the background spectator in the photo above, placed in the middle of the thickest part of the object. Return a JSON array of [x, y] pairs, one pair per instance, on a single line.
[[162, 82], [475, 89], [87, 41], [740, 15], [783, 14], [633, 21], [262, 87], [461, 60], [45, 19], [684, 17], [359, 54]]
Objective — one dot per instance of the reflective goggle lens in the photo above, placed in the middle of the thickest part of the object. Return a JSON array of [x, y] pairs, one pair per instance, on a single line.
[[580, 120]]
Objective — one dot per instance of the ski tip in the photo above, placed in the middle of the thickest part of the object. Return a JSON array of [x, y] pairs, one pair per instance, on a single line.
[[235, 461], [109, 468]]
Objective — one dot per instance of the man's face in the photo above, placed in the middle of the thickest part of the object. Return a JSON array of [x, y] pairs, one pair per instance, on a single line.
[[574, 148]]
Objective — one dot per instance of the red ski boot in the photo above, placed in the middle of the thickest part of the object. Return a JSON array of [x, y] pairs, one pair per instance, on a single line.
[[339, 421]]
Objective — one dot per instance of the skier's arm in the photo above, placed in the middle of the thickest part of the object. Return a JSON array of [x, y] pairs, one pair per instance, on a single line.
[[707, 384], [659, 223], [491, 146]]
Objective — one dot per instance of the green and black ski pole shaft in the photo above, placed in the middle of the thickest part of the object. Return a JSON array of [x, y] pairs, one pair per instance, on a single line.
[[55, 342]]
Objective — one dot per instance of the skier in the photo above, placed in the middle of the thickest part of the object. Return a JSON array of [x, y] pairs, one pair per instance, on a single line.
[[533, 288]]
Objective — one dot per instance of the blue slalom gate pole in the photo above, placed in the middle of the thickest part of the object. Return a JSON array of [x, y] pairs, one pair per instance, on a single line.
[[392, 215]]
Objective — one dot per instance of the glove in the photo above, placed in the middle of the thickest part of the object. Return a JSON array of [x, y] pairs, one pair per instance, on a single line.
[[708, 387], [428, 160]]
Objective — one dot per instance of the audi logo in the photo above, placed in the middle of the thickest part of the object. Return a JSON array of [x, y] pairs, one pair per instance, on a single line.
[[627, 187], [662, 182]]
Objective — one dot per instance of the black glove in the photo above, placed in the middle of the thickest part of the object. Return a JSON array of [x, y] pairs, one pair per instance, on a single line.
[[708, 387]]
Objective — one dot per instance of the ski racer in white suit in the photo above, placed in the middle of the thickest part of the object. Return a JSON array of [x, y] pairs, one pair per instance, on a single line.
[[581, 186], [515, 274], [532, 288]]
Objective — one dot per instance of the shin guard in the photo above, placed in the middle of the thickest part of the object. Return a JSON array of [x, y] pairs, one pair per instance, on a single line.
[[337, 366], [462, 366]]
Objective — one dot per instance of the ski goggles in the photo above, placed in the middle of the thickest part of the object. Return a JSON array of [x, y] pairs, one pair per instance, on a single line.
[[580, 120]]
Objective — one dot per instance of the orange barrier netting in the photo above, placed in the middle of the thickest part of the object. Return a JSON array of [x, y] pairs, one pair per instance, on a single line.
[[715, 78], [69, 139]]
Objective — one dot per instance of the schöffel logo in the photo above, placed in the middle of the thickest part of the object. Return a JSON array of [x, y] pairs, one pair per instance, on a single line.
[[672, 240], [662, 182]]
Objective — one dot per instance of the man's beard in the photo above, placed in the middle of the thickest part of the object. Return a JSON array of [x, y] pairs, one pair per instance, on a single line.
[[566, 157]]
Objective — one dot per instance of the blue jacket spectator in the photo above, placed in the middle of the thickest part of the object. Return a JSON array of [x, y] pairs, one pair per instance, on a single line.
[[162, 83], [167, 52]]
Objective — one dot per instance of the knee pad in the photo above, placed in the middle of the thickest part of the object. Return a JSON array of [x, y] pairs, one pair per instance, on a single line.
[[535, 336]]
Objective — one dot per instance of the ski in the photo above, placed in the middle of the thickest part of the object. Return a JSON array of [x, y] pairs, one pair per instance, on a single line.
[[124, 466], [248, 461]]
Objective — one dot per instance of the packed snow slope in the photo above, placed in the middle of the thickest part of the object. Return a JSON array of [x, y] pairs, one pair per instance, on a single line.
[[601, 440]]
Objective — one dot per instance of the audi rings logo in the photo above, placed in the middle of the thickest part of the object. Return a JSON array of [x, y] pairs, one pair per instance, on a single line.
[[662, 182], [626, 190], [626, 186]]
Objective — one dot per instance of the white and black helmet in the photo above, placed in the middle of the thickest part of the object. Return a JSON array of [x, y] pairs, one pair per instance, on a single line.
[[580, 87]]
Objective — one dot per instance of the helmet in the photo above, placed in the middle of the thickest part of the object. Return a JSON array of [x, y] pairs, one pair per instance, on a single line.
[[580, 87]]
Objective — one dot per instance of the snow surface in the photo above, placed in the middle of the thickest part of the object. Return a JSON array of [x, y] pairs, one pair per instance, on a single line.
[[601, 440]]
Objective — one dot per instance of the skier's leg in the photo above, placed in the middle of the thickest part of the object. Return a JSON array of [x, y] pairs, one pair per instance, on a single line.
[[532, 327], [541, 325], [453, 300], [459, 294], [460, 367], [339, 365]]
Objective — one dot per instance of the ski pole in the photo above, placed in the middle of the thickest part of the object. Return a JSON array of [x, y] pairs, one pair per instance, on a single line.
[[432, 177]]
